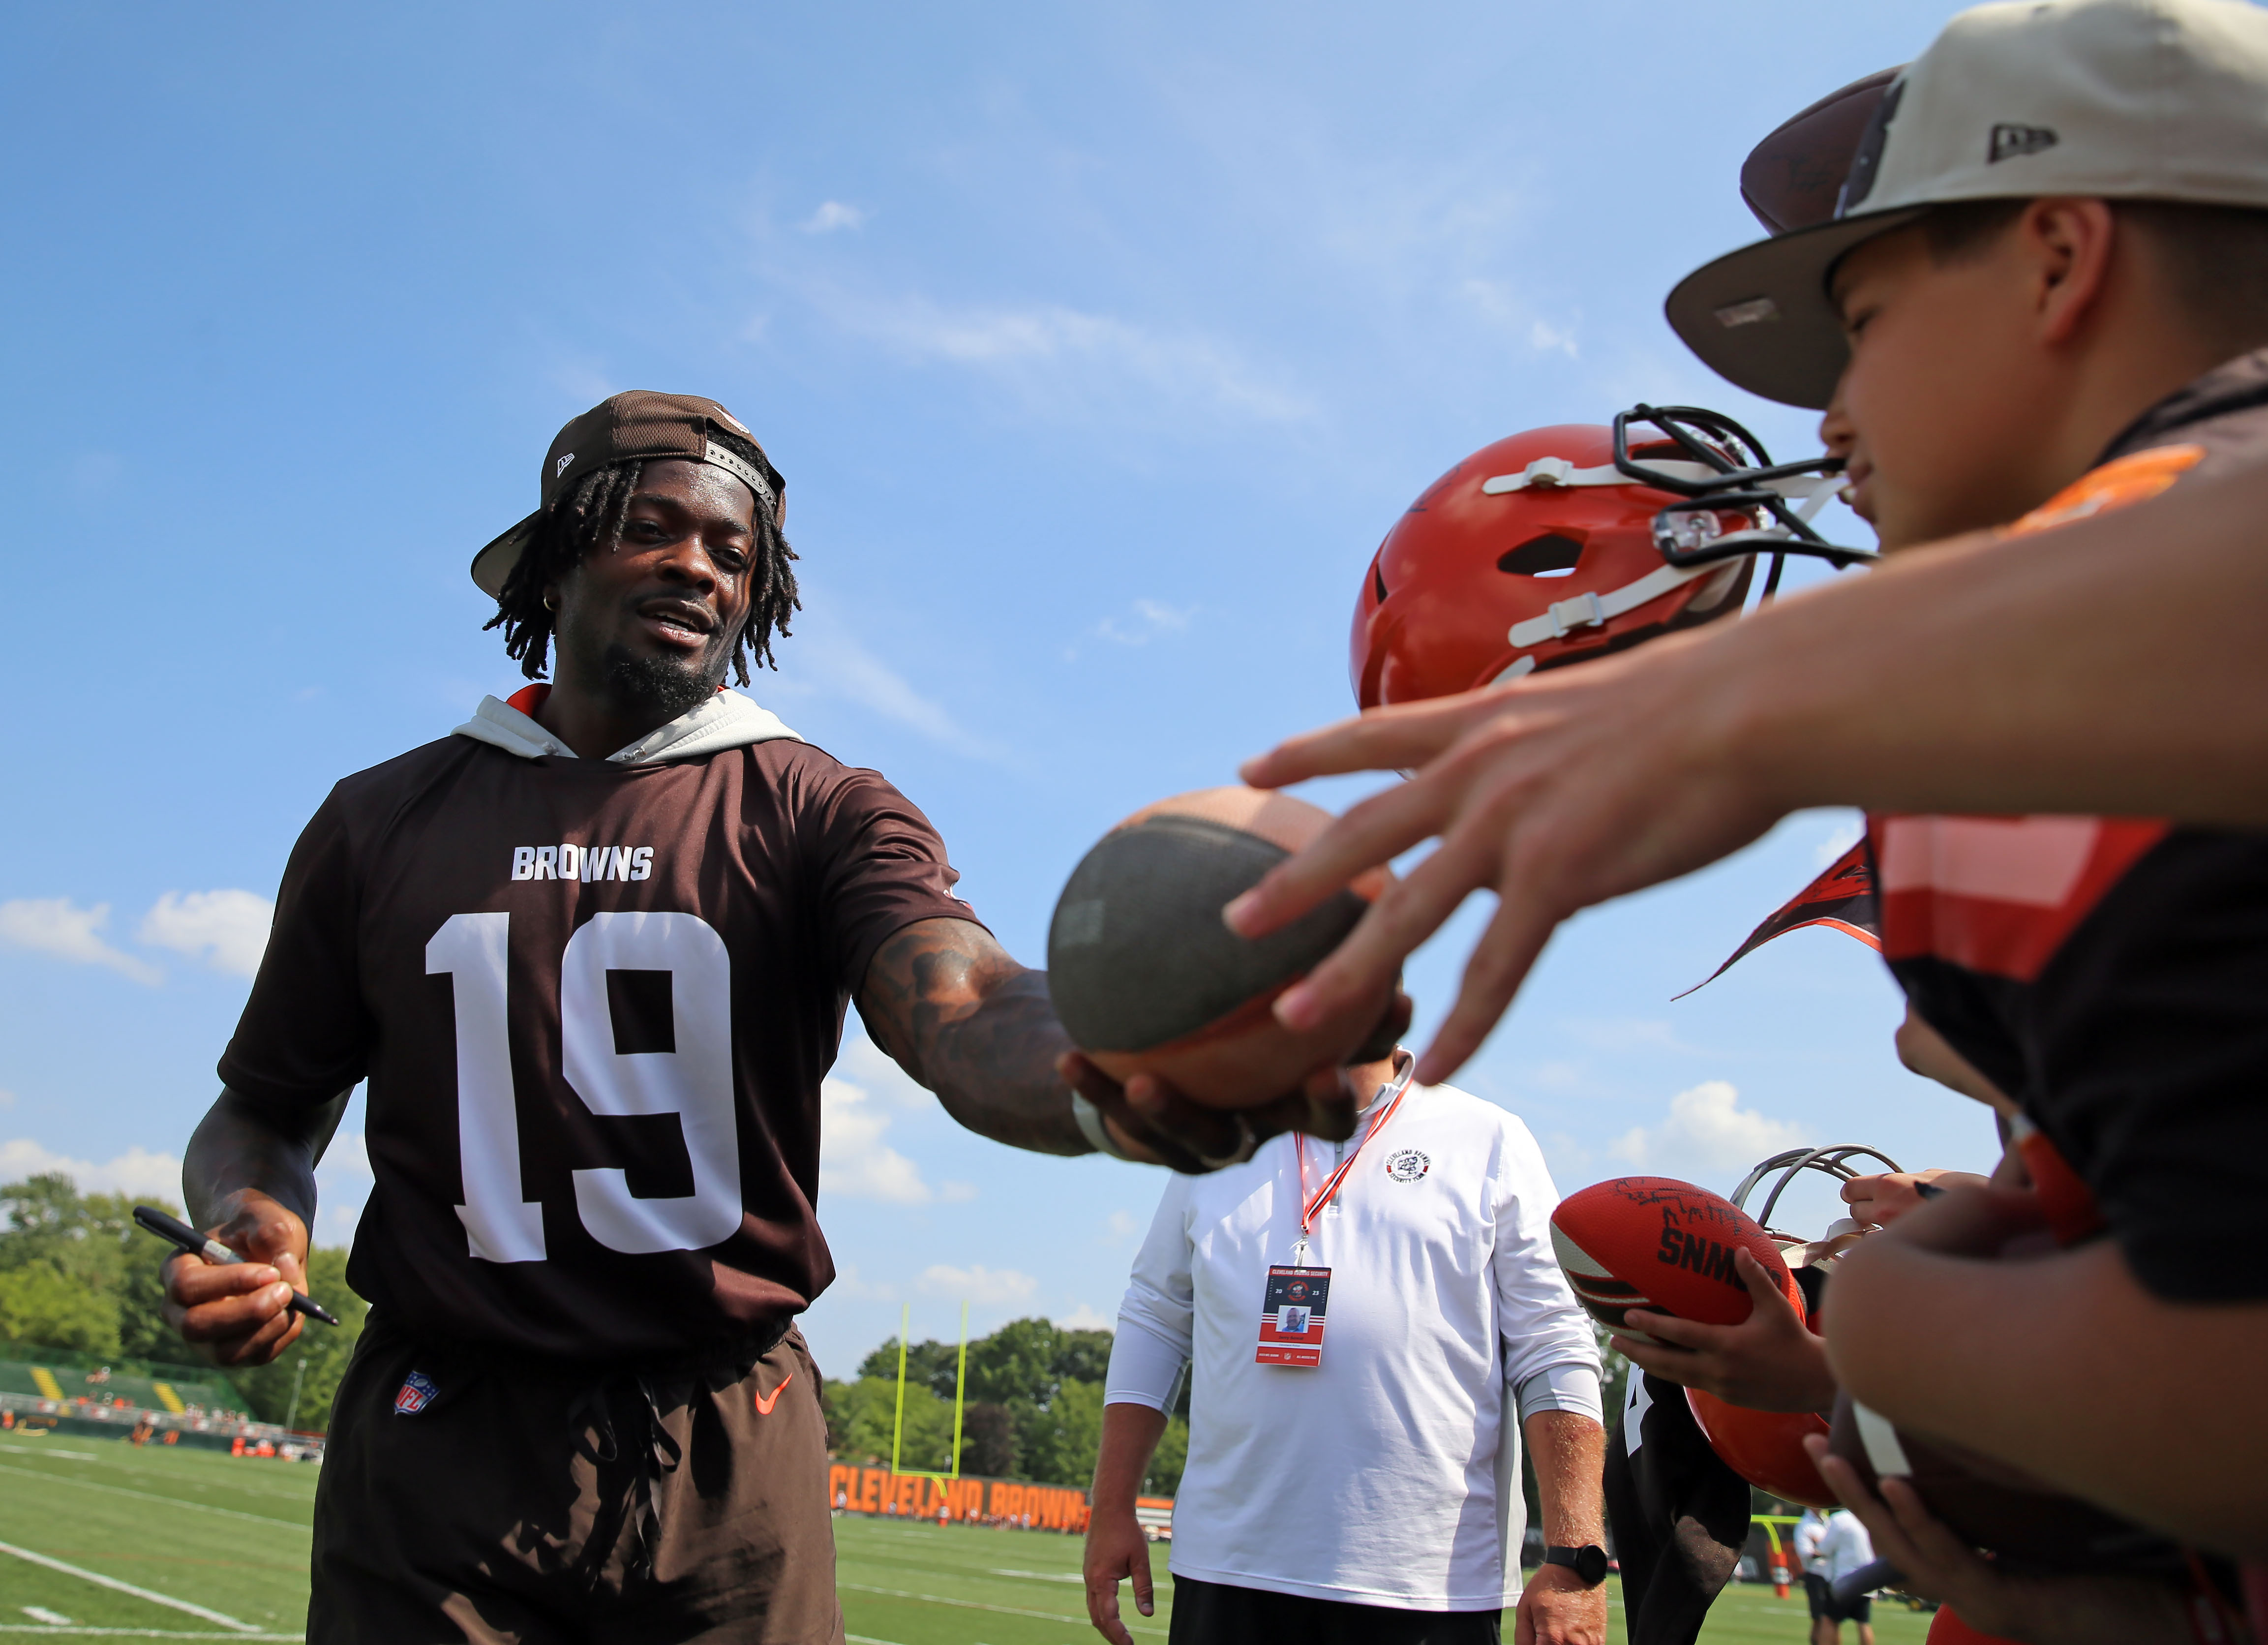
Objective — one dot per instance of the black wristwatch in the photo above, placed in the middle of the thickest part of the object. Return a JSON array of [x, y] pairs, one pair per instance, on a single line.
[[1588, 1562]]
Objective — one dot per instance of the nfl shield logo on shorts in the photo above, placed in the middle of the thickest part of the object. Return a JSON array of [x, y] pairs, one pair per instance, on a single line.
[[417, 1391]]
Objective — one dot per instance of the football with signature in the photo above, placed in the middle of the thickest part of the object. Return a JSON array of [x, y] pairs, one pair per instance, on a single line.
[[1659, 1244]]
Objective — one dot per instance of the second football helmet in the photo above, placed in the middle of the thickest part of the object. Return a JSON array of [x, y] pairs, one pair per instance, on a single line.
[[1569, 542]]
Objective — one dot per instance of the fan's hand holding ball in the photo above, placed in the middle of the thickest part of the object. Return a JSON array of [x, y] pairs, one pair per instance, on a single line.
[[1148, 981], [1658, 1243], [1771, 1361], [2030, 1526]]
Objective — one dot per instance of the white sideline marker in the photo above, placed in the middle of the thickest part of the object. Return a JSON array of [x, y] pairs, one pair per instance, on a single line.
[[96, 1577]]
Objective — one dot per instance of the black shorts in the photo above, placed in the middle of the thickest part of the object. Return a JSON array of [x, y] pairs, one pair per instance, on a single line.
[[1816, 1590], [1218, 1613], [1860, 1609], [468, 1496]]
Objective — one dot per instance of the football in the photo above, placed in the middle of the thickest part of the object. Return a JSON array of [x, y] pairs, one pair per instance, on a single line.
[[1765, 1447], [2028, 1525], [1791, 179], [1655, 1243], [1146, 978]]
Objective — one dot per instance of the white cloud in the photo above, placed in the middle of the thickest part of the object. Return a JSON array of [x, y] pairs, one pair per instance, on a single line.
[[7, 1099], [228, 929], [1845, 834], [137, 1171], [1085, 1318], [1119, 1226], [1072, 363], [840, 665], [977, 1283], [1151, 619], [853, 1159], [57, 926], [342, 1185], [1707, 1132], [875, 1072], [833, 215], [1545, 338]]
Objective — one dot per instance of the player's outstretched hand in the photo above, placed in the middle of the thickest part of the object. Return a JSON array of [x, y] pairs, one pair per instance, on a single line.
[[1557, 791], [1154, 1123], [1936, 1564], [1116, 1548], [1769, 1362], [239, 1313]]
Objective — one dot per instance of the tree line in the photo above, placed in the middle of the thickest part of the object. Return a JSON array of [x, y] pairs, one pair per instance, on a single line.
[[77, 1275], [1033, 1408]]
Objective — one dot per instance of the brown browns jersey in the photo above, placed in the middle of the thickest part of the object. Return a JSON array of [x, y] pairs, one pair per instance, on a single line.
[[594, 1003]]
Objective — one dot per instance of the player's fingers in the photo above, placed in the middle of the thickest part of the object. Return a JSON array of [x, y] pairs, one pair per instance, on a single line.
[[1140, 1570], [1132, 1127], [1395, 738], [1205, 1134], [190, 1281], [1375, 831], [1500, 963], [1369, 959]]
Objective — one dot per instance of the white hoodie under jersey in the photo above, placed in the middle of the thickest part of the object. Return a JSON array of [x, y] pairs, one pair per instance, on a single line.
[[1390, 1474]]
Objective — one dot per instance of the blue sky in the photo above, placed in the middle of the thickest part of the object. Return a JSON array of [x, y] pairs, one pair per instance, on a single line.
[[1099, 347]]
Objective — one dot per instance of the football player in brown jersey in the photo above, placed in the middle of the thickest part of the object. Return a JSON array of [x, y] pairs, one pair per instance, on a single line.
[[592, 952]]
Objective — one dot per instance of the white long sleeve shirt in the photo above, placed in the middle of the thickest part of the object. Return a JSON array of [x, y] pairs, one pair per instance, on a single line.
[[1389, 1473]]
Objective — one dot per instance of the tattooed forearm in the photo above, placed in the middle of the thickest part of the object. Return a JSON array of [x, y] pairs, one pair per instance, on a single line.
[[967, 1021]]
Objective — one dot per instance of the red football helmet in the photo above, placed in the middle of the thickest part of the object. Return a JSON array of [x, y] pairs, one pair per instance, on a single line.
[[1566, 543]]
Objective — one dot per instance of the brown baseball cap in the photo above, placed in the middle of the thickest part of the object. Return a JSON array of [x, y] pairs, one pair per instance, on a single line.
[[637, 423]]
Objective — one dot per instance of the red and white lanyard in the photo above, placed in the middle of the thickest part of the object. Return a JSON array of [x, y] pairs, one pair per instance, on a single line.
[[1311, 1206]]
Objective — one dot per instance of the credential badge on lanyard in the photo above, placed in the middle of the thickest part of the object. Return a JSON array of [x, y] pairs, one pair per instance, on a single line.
[[1292, 1309]]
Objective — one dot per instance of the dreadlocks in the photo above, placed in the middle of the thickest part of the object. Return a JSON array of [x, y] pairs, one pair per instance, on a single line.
[[591, 515]]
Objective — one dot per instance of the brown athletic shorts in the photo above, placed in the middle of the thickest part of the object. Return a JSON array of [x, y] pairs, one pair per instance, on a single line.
[[470, 1495]]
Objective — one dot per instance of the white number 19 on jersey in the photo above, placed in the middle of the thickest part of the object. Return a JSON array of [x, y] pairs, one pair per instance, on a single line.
[[694, 1081]]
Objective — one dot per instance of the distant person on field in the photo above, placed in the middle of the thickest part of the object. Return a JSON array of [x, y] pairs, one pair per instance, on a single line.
[[1845, 1547]]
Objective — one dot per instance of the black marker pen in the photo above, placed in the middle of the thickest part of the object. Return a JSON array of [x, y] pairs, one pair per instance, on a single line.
[[212, 1250]]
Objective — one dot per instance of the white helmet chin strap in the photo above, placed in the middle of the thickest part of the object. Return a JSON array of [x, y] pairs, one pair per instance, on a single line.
[[1562, 617], [1548, 473]]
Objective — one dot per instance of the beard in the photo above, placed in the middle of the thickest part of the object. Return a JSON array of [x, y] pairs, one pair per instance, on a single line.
[[660, 683]]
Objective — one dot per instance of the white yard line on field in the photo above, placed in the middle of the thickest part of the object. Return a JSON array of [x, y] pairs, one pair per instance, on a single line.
[[151, 1496], [221, 1616], [50, 1450], [974, 1604], [76, 1632]]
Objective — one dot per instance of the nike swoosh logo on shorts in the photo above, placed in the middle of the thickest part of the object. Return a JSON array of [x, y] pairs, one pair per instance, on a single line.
[[763, 1405]]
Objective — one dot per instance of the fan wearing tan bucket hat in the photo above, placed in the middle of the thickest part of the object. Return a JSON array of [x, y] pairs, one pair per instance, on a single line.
[[591, 951]]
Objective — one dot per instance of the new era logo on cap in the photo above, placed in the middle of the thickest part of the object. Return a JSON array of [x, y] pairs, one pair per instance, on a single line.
[[560, 467]]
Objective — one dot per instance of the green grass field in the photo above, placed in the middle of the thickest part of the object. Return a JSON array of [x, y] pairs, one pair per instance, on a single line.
[[225, 1540]]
